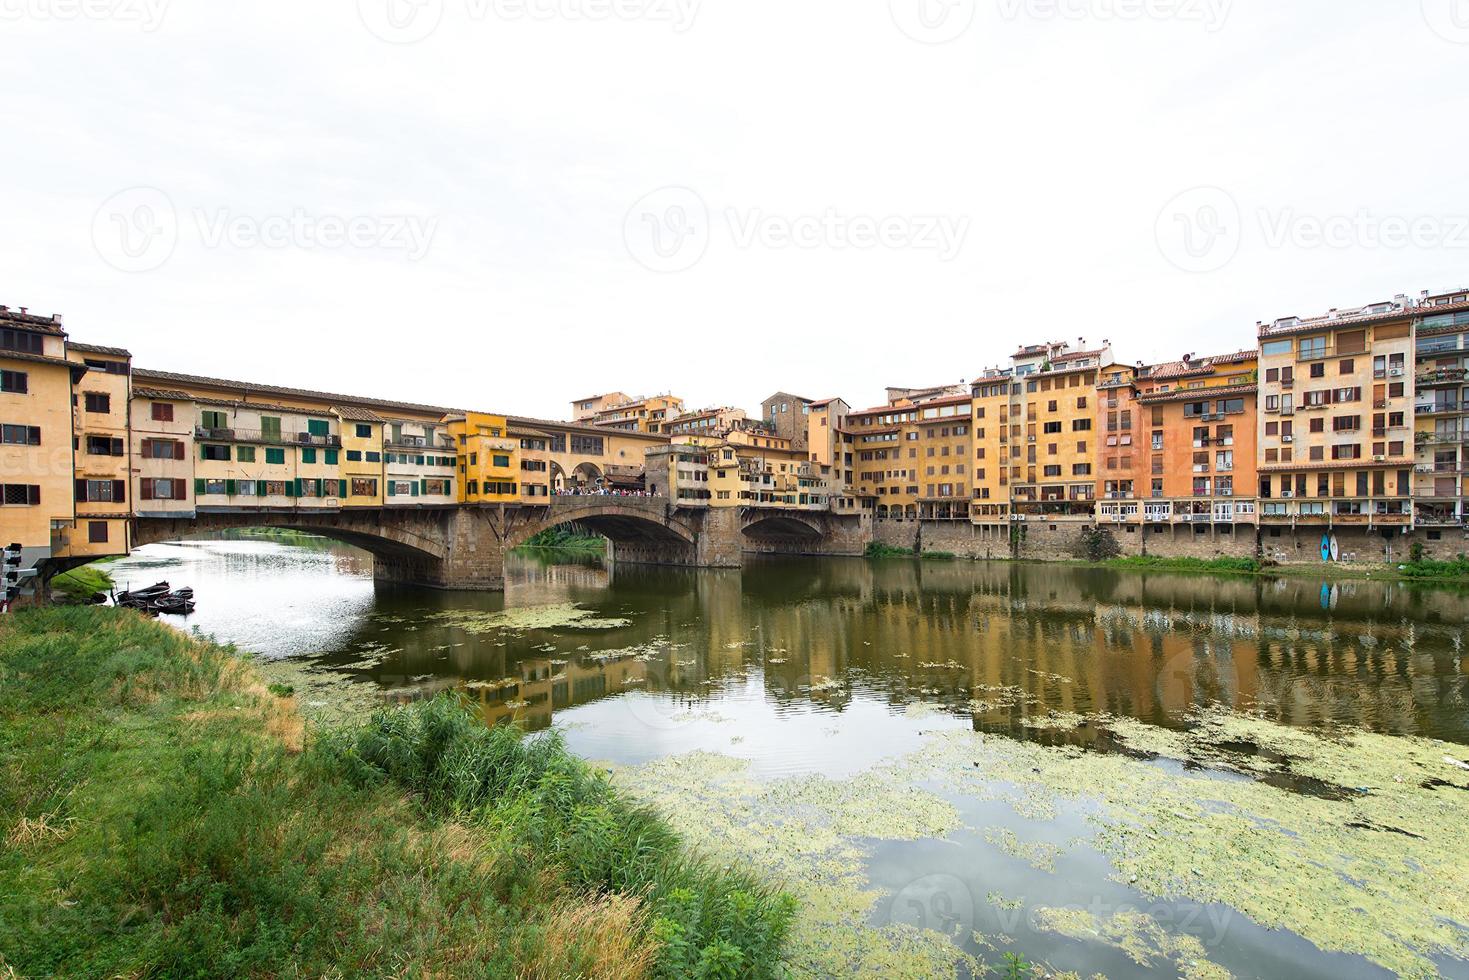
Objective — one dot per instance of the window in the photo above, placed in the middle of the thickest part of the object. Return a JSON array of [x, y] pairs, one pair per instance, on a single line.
[[373, 457], [14, 382], [354, 455], [1348, 366], [162, 412], [19, 495], [217, 453], [364, 431], [104, 446], [153, 489], [440, 488], [318, 427], [214, 420], [97, 532], [364, 488], [21, 340], [270, 427], [100, 491], [329, 457], [20, 435], [276, 488], [275, 457], [98, 402], [308, 455]]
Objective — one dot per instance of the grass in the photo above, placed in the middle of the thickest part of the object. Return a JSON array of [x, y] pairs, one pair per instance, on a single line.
[[80, 584], [163, 813], [1427, 568], [566, 539], [1241, 566], [878, 550]]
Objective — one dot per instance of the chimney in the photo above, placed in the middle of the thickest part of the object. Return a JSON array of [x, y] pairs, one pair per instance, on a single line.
[[56, 318], [22, 311]]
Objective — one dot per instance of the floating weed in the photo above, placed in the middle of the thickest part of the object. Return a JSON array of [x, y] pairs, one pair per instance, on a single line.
[[1040, 855], [563, 615], [1140, 936]]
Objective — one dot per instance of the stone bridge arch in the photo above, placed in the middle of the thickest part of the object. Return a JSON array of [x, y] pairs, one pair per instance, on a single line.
[[408, 546], [787, 526], [622, 520]]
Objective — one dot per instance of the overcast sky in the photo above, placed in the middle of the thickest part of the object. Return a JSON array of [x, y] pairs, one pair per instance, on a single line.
[[505, 204]]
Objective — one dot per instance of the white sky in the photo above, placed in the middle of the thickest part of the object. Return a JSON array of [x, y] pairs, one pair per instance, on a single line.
[[1057, 134]]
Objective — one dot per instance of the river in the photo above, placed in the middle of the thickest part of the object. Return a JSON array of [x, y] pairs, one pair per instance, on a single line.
[[837, 681]]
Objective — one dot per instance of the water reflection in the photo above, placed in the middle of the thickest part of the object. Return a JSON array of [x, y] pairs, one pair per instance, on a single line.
[[996, 646]]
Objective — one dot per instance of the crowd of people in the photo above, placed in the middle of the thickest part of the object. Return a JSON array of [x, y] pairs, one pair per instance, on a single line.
[[597, 491]]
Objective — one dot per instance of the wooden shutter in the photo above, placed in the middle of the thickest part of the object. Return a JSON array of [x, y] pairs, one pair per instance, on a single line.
[[33, 435], [119, 491], [178, 450], [392, 489], [198, 487], [145, 489], [180, 489], [342, 484], [230, 486], [34, 493], [81, 491]]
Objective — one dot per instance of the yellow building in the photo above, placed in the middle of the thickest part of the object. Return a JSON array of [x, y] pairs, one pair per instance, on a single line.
[[36, 456], [913, 455], [489, 459], [1336, 421], [102, 456], [1053, 440], [637, 415], [163, 452], [990, 482], [362, 468]]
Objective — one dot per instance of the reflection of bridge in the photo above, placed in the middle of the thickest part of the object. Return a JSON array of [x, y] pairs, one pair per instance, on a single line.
[[463, 547]]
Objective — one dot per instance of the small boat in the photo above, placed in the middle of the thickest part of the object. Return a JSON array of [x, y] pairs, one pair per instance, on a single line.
[[152, 592]]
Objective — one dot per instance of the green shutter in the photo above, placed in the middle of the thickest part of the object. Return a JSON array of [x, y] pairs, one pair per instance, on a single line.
[[392, 489], [260, 488], [342, 485], [293, 489], [423, 487], [198, 488], [229, 487], [415, 489]]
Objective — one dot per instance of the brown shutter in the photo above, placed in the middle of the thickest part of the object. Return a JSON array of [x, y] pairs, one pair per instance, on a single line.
[[178, 450], [145, 489], [180, 487], [81, 491], [119, 491]]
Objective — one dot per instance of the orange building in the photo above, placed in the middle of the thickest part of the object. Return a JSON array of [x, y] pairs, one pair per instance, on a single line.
[[1121, 460], [1199, 418]]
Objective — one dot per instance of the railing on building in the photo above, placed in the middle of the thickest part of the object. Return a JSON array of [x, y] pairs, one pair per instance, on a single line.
[[270, 437]]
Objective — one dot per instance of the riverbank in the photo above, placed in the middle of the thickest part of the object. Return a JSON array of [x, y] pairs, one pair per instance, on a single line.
[[163, 811]]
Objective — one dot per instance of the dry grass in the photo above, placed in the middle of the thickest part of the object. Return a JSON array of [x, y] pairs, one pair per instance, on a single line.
[[28, 832], [602, 937]]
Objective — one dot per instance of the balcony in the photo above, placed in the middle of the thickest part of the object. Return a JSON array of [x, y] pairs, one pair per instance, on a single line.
[[1438, 408], [269, 438], [1442, 377]]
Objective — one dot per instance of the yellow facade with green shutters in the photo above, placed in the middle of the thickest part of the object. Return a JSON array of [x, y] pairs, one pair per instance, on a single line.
[[489, 459], [362, 470]]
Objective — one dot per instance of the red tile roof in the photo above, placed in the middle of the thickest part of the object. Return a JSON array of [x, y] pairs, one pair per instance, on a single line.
[[29, 321]]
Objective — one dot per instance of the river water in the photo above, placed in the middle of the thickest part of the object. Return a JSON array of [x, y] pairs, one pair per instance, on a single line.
[[836, 668]]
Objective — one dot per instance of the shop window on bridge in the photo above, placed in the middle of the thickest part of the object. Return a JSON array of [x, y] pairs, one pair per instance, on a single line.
[[364, 488], [248, 488], [436, 488], [587, 445]]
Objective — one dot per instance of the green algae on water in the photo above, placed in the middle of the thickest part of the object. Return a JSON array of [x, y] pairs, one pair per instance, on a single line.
[[561, 615]]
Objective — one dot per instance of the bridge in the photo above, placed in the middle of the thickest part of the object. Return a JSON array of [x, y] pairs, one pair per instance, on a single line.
[[464, 546]]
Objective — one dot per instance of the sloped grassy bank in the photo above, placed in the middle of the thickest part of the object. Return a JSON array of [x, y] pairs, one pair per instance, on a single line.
[[163, 813]]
